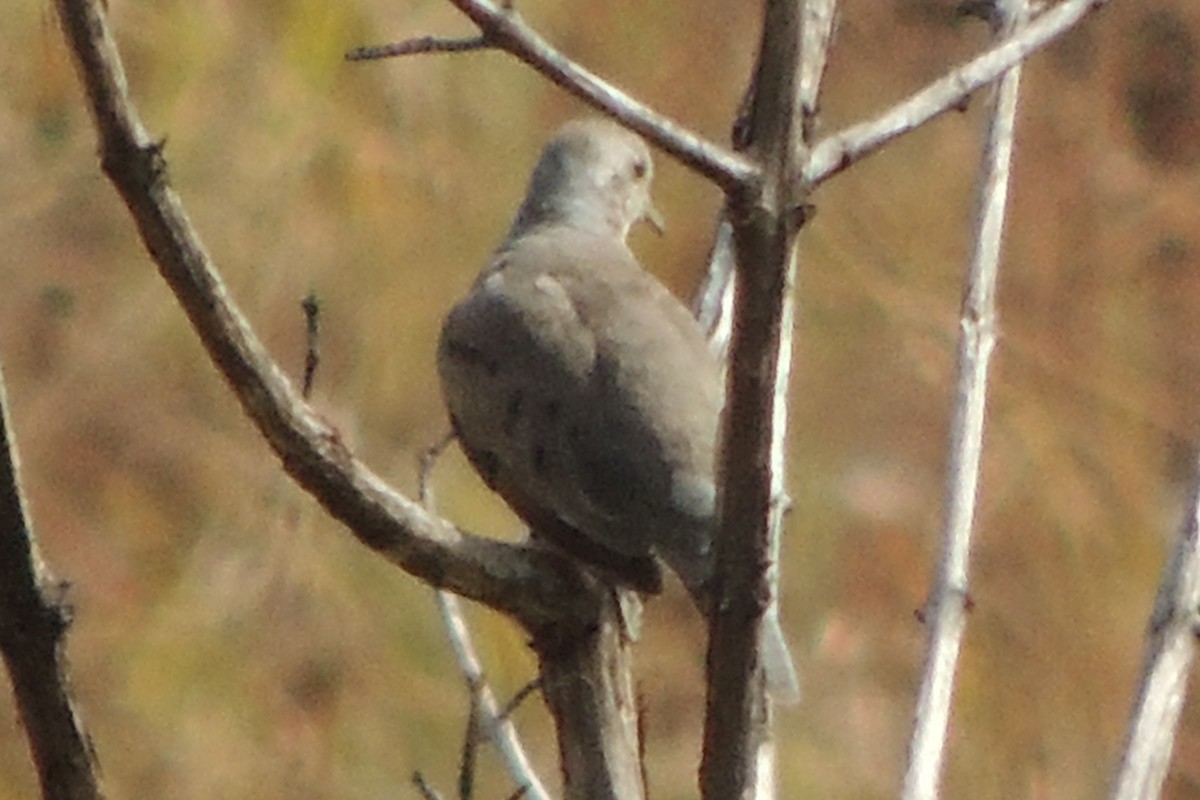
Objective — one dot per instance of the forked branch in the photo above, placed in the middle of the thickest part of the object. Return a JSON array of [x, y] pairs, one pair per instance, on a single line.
[[502, 28], [535, 587], [839, 150]]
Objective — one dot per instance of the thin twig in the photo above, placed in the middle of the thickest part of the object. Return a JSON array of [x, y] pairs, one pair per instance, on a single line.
[[1170, 653], [946, 611], [502, 28], [487, 717], [428, 461], [517, 699], [470, 746], [312, 338], [427, 791], [418, 46], [818, 18], [816, 29], [852, 144], [497, 726], [713, 303]]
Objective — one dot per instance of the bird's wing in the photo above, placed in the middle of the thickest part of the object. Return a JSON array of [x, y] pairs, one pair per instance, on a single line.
[[578, 401]]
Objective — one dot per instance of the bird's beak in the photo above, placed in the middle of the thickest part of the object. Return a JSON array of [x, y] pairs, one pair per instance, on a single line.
[[655, 219]]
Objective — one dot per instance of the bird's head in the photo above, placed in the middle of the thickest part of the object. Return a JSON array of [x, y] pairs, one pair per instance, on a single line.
[[593, 175]]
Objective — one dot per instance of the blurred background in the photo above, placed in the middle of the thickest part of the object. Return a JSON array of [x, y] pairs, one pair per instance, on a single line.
[[231, 641]]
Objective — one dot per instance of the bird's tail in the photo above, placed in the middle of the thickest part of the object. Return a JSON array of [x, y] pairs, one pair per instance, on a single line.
[[783, 684]]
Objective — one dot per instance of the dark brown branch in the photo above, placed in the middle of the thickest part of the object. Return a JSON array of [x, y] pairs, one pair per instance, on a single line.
[[33, 624], [764, 234], [418, 46], [589, 691], [536, 587], [517, 699], [312, 338], [470, 748]]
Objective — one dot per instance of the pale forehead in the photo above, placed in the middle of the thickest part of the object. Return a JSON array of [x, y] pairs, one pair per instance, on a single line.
[[601, 140]]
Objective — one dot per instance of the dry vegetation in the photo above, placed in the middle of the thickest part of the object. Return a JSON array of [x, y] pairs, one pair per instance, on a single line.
[[233, 642]]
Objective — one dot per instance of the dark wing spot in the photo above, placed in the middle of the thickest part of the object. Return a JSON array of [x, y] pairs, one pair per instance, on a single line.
[[541, 459], [551, 410], [512, 412], [473, 356]]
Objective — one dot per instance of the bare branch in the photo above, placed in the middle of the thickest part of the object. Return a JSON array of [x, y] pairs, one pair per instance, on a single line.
[[588, 687], [946, 611], [852, 144], [574, 621], [495, 722], [425, 470], [1170, 653], [418, 46], [503, 28], [427, 791], [520, 697], [589, 691], [737, 756], [713, 303], [537, 587], [818, 23], [32, 630], [466, 767]]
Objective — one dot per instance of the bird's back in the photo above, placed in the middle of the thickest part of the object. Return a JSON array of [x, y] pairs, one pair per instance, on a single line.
[[585, 392]]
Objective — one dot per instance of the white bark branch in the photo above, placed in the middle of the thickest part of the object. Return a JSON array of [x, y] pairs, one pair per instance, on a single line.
[[949, 601], [495, 725], [495, 722], [1170, 653], [852, 144]]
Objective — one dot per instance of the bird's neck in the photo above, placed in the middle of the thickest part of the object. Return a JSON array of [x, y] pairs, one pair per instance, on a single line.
[[570, 210]]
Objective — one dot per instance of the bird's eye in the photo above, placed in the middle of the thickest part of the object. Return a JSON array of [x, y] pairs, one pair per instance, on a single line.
[[639, 169]]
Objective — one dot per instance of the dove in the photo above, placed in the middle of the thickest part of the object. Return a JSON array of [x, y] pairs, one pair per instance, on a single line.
[[583, 391]]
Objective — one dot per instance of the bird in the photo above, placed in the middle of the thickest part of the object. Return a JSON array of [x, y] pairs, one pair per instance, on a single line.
[[583, 391]]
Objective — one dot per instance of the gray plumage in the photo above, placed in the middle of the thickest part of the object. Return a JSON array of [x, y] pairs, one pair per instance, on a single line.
[[582, 390]]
